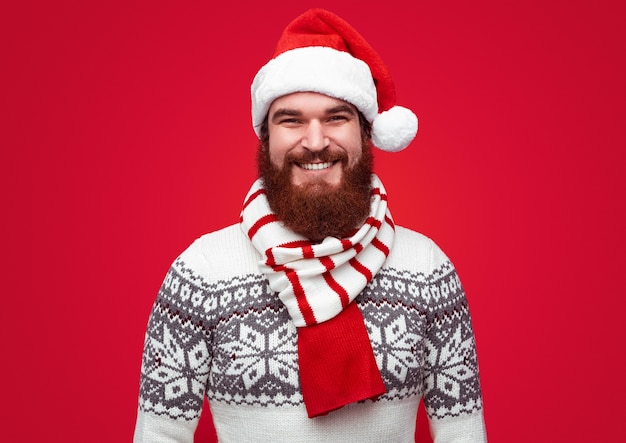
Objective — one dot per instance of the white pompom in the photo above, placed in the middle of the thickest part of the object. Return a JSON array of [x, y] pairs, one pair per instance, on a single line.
[[394, 129]]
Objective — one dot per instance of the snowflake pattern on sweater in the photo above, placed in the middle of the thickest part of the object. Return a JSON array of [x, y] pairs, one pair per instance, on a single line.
[[231, 338], [217, 329]]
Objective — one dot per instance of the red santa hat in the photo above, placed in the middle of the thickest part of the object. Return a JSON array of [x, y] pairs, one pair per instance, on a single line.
[[320, 52]]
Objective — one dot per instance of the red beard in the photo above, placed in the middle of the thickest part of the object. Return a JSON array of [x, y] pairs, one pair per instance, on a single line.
[[318, 209]]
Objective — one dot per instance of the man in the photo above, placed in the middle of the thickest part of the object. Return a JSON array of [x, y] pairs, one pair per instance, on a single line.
[[315, 318]]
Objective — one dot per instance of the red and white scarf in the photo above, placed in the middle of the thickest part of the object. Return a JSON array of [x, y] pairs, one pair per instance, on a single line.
[[317, 283]]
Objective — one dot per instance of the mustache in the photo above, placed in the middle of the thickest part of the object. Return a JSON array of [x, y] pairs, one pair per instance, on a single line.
[[321, 156]]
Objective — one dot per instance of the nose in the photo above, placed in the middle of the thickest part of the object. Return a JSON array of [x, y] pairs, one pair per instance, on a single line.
[[315, 138]]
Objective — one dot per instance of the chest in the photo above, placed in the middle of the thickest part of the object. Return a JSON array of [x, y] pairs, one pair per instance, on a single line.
[[254, 342]]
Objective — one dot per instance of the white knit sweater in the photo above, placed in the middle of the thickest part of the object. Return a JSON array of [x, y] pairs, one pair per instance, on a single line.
[[217, 328]]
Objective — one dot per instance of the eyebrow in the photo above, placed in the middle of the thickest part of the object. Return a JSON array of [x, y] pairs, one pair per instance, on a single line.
[[285, 112], [341, 108], [288, 112]]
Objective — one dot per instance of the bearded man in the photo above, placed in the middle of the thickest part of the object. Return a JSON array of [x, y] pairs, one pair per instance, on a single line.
[[315, 318]]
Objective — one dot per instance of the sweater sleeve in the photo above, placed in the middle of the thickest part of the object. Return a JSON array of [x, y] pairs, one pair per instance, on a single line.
[[452, 393], [176, 359]]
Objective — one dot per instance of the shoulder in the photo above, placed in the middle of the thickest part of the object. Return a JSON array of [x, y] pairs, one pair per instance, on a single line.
[[229, 237], [415, 251], [413, 238], [221, 254]]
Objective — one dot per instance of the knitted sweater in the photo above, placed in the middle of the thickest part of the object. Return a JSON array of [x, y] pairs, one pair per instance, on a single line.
[[216, 328]]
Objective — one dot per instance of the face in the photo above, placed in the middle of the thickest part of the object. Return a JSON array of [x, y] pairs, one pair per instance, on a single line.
[[316, 165], [315, 136]]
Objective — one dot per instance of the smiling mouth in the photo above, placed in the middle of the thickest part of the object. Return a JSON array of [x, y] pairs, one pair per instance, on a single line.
[[316, 166]]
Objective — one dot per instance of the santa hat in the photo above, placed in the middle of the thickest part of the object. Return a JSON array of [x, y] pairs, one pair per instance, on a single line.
[[320, 52]]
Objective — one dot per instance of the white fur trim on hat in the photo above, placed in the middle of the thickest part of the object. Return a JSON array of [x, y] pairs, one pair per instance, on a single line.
[[394, 129], [314, 69]]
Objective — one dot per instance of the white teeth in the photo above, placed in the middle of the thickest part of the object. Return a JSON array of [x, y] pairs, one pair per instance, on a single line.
[[315, 166]]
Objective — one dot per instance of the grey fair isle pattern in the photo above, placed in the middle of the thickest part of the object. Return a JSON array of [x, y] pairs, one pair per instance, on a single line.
[[235, 338], [444, 347]]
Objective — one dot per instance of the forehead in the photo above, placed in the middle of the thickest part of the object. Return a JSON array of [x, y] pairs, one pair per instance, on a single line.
[[308, 101]]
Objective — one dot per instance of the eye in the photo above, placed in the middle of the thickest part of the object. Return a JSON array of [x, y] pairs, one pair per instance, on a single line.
[[289, 121], [337, 118]]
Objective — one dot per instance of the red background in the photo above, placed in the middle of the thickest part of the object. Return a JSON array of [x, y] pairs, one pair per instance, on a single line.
[[126, 134]]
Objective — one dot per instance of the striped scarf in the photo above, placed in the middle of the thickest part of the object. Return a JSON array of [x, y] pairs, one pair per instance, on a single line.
[[317, 283]]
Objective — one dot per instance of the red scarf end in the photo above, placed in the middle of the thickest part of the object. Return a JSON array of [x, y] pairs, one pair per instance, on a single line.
[[337, 363]]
